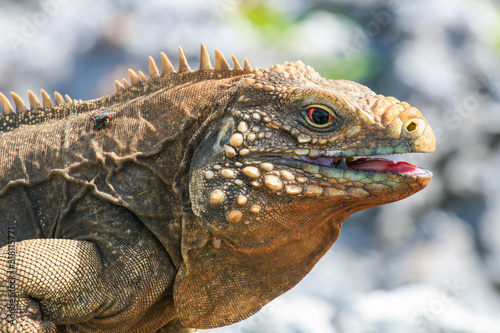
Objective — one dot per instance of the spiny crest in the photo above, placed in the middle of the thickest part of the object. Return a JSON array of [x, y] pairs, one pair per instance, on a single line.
[[167, 68], [34, 102]]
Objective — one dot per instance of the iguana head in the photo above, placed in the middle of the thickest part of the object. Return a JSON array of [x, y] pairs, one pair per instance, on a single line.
[[277, 173]]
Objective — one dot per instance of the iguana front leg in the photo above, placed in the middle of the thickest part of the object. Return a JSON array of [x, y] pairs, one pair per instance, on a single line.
[[59, 278]]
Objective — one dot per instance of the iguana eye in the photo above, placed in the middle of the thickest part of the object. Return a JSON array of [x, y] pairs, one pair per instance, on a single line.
[[319, 116]]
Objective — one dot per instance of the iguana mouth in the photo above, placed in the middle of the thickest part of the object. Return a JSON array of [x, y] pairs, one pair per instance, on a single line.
[[370, 164], [328, 166]]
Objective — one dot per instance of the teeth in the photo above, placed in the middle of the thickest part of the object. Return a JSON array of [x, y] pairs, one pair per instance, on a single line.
[[337, 162], [342, 164]]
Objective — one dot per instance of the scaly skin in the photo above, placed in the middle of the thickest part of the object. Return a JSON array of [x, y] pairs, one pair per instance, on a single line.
[[193, 198]]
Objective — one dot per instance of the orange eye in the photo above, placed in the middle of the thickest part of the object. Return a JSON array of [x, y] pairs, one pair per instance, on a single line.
[[319, 116]]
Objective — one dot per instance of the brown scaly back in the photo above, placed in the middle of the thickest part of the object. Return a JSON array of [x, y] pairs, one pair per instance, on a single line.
[[47, 110]]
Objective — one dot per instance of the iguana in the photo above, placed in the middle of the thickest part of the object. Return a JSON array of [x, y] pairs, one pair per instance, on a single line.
[[191, 198]]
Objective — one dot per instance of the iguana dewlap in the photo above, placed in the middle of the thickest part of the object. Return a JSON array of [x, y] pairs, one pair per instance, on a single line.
[[189, 198]]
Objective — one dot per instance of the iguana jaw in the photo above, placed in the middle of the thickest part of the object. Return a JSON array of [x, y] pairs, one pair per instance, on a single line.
[[365, 169], [331, 177], [365, 164]]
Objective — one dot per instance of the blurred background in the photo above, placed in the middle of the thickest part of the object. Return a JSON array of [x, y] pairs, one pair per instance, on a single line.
[[430, 263]]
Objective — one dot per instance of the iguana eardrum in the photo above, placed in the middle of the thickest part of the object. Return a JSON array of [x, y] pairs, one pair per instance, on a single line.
[[188, 199]]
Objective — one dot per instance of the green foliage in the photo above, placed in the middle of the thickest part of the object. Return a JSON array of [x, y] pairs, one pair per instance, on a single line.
[[355, 67], [276, 27], [495, 42], [273, 24]]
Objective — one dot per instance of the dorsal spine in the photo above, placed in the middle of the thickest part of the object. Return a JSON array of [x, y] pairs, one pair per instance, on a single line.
[[46, 110]]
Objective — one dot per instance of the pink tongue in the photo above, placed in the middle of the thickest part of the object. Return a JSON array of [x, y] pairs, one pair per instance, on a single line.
[[381, 165]]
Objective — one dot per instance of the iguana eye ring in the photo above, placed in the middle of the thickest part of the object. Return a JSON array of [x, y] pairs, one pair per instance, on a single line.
[[319, 116]]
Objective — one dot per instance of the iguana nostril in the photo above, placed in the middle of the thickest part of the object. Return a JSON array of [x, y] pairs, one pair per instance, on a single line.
[[411, 127]]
